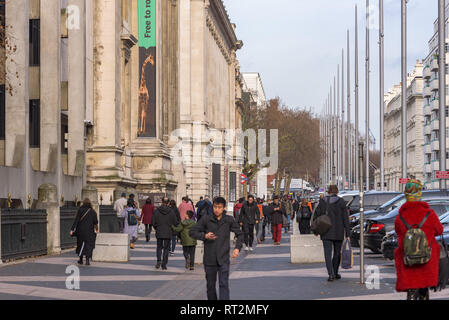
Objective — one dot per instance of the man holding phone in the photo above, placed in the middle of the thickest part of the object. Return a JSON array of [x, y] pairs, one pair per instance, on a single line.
[[215, 231]]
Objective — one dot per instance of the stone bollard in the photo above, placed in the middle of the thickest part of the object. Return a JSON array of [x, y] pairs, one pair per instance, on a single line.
[[92, 194], [48, 200], [306, 249]]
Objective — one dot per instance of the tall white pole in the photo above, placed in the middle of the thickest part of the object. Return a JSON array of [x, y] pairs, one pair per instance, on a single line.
[[357, 126], [343, 121], [367, 66], [404, 89], [335, 135], [338, 129], [442, 85], [381, 93], [348, 103]]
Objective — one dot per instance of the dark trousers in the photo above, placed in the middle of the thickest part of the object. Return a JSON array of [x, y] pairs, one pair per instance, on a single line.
[[148, 229], [264, 226], [173, 243], [189, 254], [163, 247], [121, 224], [332, 263], [304, 226], [248, 230], [223, 281]]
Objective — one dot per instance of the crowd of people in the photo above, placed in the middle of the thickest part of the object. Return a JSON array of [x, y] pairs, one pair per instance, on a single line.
[[417, 259]]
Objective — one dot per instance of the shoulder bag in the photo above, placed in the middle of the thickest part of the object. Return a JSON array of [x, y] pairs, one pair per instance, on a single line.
[[322, 224]]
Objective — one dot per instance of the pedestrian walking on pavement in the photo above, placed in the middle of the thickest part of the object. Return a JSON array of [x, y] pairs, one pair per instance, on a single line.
[[335, 208], [288, 208], [303, 217], [85, 228], [215, 231], [259, 225], [237, 208], [163, 218], [266, 218], [188, 243], [278, 215], [415, 214], [146, 217], [175, 235], [248, 218], [131, 215], [185, 206], [119, 205]]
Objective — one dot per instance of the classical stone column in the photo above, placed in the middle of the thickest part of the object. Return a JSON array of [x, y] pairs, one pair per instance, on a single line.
[[91, 193], [50, 78], [77, 85], [17, 22], [48, 200]]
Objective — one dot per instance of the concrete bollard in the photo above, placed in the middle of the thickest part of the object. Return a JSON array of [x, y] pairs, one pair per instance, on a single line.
[[199, 252], [48, 200], [111, 247], [306, 249], [92, 194]]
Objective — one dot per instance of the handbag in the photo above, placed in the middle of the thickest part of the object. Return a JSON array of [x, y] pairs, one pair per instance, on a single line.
[[322, 224], [347, 256], [443, 270]]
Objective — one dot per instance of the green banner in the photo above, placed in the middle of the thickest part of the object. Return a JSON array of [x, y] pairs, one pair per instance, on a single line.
[[147, 23]]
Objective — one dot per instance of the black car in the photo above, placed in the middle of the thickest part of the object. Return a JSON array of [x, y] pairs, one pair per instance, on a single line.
[[372, 200], [390, 241], [394, 203], [378, 227]]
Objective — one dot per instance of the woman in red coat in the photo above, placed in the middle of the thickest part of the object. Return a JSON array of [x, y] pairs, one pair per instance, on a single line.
[[146, 217], [416, 280]]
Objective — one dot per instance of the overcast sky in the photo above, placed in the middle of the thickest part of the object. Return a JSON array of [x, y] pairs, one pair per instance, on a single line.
[[296, 46]]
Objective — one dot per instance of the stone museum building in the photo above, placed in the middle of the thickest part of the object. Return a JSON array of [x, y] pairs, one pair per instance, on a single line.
[[101, 93]]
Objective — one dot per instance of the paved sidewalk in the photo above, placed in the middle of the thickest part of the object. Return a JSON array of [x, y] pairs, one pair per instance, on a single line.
[[265, 274]]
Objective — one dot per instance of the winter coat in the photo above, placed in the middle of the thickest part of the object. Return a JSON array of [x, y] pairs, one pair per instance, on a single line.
[[84, 230], [183, 208], [339, 216], [295, 206], [147, 213], [237, 207], [119, 205], [276, 215], [249, 214], [418, 276], [184, 230], [217, 252], [131, 230], [164, 217], [288, 207]]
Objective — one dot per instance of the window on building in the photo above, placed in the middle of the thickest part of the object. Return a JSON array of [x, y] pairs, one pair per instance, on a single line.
[[2, 112], [2, 13], [35, 42], [64, 134], [35, 124]]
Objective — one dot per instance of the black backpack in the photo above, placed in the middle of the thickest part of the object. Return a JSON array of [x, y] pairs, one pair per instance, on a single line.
[[132, 218], [305, 213]]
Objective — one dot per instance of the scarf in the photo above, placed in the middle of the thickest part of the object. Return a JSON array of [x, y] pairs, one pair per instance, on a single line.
[[413, 190]]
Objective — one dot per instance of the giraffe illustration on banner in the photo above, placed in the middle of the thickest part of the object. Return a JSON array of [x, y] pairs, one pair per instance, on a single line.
[[144, 97]]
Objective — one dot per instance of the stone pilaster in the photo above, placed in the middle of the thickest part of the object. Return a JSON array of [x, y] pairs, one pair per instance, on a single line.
[[50, 84], [48, 200], [17, 20], [77, 88]]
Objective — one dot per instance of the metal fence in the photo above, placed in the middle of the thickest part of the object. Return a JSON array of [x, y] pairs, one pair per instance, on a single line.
[[67, 217], [108, 220], [24, 233]]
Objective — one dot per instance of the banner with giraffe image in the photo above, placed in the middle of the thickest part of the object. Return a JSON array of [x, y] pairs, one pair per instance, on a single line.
[[147, 66]]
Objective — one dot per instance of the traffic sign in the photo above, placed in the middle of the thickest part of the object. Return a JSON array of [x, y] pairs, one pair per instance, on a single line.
[[403, 181], [243, 179], [442, 175]]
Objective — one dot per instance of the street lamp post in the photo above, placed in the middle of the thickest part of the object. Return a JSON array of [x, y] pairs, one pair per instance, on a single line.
[[358, 168], [362, 219], [381, 93], [367, 66], [404, 88], [442, 85]]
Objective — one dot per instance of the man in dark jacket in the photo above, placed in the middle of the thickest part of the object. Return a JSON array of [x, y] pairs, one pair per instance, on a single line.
[[215, 231], [277, 213], [333, 238], [164, 217], [248, 218], [266, 208]]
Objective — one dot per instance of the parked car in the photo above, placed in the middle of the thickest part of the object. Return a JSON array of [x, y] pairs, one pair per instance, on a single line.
[[390, 241], [378, 227], [372, 200], [396, 202]]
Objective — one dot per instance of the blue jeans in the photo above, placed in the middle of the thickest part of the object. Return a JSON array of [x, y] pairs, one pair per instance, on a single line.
[[173, 243], [289, 221]]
